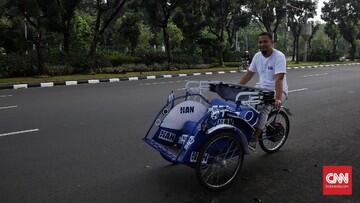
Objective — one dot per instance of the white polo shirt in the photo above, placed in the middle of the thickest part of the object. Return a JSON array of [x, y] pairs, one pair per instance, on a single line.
[[268, 67]]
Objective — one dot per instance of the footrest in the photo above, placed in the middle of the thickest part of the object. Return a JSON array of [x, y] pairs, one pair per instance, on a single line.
[[161, 148]]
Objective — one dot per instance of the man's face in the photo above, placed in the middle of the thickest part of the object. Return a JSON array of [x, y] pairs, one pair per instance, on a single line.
[[265, 43]]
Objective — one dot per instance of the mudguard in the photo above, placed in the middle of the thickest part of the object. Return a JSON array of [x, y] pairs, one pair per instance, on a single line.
[[240, 134], [194, 143]]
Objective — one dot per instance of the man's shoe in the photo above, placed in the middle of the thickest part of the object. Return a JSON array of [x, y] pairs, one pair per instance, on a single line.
[[252, 144]]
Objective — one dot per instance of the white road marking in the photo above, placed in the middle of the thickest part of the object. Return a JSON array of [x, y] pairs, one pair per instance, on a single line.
[[70, 83], [114, 80], [195, 74], [3, 96], [93, 81], [133, 78], [164, 82], [19, 132], [315, 75], [208, 73], [19, 86], [298, 90], [8, 107], [233, 71], [167, 76], [221, 72], [182, 75], [151, 77], [46, 84]]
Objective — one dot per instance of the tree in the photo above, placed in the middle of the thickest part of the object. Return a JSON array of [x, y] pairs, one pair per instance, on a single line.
[[269, 13], [333, 33], [106, 12], [345, 14], [237, 21], [299, 12], [314, 28], [218, 16], [67, 11], [129, 29], [190, 19], [144, 38], [82, 30], [11, 33], [41, 16], [160, 12]]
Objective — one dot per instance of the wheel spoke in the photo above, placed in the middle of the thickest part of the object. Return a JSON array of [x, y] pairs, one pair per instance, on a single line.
[[273, 142], [222, 163]]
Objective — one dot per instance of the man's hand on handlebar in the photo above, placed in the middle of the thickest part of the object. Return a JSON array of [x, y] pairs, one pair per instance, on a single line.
[[277, 104]]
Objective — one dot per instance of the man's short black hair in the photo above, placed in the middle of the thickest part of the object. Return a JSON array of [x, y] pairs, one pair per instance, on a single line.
[[266, 34]]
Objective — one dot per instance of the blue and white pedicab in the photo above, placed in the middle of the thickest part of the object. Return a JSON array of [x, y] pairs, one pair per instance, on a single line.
[[212, 136]]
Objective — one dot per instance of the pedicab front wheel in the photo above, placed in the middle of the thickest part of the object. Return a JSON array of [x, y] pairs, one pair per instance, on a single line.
[[219, 160], [277, 132]]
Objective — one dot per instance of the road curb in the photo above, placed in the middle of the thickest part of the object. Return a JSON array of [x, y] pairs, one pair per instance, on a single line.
[[112, 80]]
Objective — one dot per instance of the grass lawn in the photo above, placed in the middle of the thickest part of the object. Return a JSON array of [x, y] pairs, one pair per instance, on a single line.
[[37, 79]]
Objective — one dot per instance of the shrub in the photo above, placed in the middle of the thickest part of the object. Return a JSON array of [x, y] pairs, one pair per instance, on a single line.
[[117, 59], [157, 67], [111, 70], [14, 65], [322, 55], [56, 70], [232, 55], [232, 64], [154, 57], [135, 68]]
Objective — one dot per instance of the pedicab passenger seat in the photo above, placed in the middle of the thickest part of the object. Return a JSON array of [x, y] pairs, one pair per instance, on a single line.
[[230, 92]]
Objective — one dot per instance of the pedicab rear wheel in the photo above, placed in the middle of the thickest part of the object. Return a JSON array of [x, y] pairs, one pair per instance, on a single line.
[[219, 160]]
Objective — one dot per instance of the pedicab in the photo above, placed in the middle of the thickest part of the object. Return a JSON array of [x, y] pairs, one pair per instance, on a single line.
[[211, 133]]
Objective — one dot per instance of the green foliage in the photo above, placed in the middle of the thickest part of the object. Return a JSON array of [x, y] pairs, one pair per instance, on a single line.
[[117, 59], [345, 14], [129, 29], [264, 12], [175, 36], [65, 37], [82, 31], [57, 70], [14, 65], [144, 38]]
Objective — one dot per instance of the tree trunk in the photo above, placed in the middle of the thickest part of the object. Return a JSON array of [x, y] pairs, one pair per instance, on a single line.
[[294, 50], [66, 36], [40, 59], [275, 37], [352, 51], [167, 45], [221, 56], [132, 50], [95, 40], [334, 47], [297, 49]]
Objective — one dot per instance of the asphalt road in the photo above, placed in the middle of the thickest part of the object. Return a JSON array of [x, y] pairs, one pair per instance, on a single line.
[[83, 143]]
